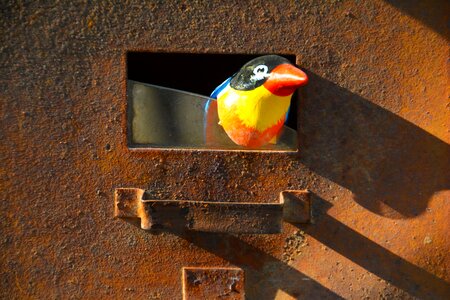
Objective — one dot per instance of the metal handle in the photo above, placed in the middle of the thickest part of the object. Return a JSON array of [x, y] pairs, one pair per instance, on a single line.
[[232, 217]]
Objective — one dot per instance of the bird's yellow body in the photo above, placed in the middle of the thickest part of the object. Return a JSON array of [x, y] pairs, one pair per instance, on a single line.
[[252, 117], [258, 108]]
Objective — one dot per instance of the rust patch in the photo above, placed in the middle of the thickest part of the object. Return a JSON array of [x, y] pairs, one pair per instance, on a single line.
[[293, 245], [213, 283]]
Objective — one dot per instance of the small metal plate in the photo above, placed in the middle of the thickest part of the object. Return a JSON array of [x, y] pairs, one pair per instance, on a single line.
[[213, 283], [297, 206]]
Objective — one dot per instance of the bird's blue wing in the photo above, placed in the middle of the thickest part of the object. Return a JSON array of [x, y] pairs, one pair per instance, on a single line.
[[220, 88], [287, 114], [216, 93], [212, 98]]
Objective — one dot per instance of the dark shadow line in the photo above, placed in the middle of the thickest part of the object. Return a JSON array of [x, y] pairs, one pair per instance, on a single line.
[[252, 260], [431, 13], [376, 259], [392, 166]]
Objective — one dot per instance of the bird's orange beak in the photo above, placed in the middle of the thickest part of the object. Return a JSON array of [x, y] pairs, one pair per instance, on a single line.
[[285, 79]]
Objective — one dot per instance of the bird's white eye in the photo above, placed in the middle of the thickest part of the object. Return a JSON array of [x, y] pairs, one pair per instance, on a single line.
[[260, 72], [260, 69]]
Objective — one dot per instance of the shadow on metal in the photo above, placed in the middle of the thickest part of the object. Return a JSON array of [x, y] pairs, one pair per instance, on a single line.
[[433, 14], [261, 267], [373, 257], [260, 282], [390, 165]]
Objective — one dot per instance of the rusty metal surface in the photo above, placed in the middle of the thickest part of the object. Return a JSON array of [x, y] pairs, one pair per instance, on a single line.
[[212, 216], [374, 151], [213, 283]]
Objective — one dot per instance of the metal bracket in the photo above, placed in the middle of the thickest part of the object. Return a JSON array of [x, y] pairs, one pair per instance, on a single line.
[[231, 217], [213, 283]]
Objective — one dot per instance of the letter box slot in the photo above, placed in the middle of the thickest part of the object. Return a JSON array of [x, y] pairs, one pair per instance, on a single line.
[[168, 104], [230, 217]]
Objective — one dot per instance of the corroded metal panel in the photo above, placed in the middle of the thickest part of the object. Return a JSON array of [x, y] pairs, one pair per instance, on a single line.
[[374, 151]]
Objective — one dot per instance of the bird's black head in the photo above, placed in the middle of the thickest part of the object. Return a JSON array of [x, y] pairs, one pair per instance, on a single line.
[[254, 73]]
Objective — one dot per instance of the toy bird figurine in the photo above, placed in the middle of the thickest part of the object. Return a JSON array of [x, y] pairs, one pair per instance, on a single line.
[[253, 104]]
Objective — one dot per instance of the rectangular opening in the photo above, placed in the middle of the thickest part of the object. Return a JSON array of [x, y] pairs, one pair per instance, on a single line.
[[168, 96]]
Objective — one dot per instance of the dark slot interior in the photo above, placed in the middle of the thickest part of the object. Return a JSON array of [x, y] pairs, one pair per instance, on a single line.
[[196, 73]]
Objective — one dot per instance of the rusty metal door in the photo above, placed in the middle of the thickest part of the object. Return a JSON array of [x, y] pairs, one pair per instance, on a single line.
[[374, 154]]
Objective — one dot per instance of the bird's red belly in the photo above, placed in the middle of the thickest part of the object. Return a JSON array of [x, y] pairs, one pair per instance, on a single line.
[[250, 137]]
